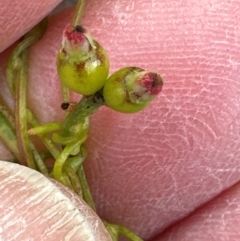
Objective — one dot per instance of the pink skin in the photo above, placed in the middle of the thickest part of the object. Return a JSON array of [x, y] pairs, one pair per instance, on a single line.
[[40, 209], [18, 16], [152, 169]]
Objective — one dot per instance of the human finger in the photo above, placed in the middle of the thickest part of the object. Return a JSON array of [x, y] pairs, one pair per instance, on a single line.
[[183, 149], [33, 208]]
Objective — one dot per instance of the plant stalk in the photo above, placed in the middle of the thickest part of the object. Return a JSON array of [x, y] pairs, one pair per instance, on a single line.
[[78, 12]]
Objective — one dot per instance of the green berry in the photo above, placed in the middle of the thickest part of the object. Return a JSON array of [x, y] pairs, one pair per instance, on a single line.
[[82, 63], [131, 89]]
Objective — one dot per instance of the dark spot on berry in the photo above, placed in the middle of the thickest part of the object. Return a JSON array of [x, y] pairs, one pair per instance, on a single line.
[[155, 80], [65, 106], [80, 29], [63, 51]]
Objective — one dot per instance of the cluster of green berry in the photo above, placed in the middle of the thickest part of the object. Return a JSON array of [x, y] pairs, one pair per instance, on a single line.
[[83, 67]]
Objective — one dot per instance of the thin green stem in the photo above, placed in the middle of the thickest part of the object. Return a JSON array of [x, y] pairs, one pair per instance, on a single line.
[[70, 139], [46, 141], [15, 62], [6, 112], [46, 128], [75, 162], [65, 180], [73, 177], [26, 156], [128, 234], [18, 69], [112, 229], [61, 159], [41, 166], [8, 136], [7, 129], [116, 230], [87, 196], [78, 12], [70, 168]]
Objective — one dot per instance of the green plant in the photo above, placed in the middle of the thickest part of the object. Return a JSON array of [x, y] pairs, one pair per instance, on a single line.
[[83, 67]]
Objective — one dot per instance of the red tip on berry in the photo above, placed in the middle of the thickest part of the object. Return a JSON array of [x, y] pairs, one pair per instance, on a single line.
[[152, 82], [76, 43], [74, 34]]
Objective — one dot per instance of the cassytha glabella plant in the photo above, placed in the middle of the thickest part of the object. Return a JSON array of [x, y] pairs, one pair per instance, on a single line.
[[83, 67]]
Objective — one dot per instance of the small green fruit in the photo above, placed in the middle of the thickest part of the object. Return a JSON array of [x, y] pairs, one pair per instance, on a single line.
[[82, 63], [131, 89]]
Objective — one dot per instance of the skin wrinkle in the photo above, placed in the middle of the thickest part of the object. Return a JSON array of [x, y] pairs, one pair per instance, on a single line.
[[218, 218]]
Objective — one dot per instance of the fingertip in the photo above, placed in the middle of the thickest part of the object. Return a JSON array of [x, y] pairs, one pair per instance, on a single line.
[[33, 208]]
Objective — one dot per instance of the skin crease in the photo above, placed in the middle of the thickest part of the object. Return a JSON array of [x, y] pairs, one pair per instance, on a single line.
[[217, 220], [152, 169]]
